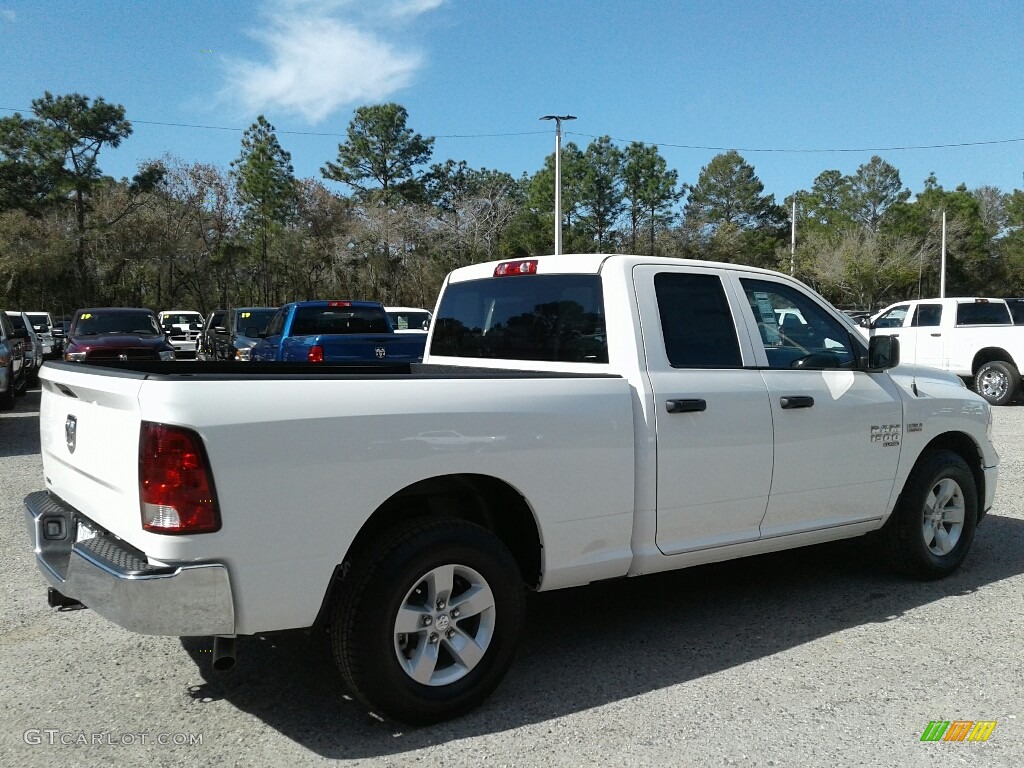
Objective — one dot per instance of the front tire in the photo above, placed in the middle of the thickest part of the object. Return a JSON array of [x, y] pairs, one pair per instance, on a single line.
[[997, 381], [932, 527], [428, 620]]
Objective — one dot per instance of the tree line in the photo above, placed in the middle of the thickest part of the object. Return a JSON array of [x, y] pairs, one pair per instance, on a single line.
[[194, 235]]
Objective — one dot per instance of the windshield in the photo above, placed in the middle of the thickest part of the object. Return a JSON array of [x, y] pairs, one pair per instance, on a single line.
[[95, 323]]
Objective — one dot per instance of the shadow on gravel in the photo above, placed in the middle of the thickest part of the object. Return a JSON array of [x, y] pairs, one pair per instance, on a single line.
[[603, 643], [19, 427]]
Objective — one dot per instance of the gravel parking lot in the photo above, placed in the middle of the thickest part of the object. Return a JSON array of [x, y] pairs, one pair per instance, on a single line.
[[816, 657]]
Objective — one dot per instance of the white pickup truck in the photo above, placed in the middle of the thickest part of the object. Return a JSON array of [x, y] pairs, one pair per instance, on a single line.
[[974, 338], [576, 418]]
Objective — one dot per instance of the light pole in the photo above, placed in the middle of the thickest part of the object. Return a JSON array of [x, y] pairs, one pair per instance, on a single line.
[[558, 176]]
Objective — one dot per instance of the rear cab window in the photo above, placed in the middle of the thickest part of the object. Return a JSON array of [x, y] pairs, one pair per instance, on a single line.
[[338, 319], [550, 318], [982, 313]]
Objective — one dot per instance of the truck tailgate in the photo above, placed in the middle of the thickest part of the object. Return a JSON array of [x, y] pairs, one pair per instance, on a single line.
[[383, 347], [89, 436]]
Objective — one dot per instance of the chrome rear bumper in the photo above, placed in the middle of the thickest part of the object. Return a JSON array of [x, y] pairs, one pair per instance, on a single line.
[[117, 582]]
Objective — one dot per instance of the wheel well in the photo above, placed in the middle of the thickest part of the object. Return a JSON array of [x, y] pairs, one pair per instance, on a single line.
[[989, 354], [490, 503], [968, 450]]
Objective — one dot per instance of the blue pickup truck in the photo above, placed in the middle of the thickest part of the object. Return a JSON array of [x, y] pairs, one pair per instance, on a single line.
[[336, 332]]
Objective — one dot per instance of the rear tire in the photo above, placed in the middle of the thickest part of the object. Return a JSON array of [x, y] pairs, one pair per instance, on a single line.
[[931, 529], [997, 381], [428, 620]]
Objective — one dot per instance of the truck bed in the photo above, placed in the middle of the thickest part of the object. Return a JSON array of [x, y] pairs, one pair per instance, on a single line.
[[302, 455]]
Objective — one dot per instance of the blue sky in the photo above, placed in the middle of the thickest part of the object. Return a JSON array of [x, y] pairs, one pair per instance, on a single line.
[[477, 74]]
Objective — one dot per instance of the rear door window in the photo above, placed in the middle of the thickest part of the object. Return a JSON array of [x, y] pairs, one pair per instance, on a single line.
[[1017, 310], [276, 324], [696, 322], [927, 315]]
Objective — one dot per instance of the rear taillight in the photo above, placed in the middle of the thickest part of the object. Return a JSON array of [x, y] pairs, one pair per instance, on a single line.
[[507, 268], [176, 490], [316, 354]]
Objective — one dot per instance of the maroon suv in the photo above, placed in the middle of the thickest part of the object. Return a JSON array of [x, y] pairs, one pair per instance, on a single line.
[[116, 333]]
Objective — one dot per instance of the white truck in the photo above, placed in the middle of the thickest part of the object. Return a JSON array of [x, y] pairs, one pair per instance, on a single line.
[[577, 418], [183, 327], [975, 338]]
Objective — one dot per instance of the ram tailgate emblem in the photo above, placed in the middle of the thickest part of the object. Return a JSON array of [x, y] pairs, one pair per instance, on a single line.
[[381, 352], [71, 433]]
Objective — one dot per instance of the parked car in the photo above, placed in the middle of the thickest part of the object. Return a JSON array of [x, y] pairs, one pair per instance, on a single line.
[[106, 334], [184, 327], [42, 323], [336, 332], [214, 322], [12, 363], [33, 346], [408, 319], [241, 332]]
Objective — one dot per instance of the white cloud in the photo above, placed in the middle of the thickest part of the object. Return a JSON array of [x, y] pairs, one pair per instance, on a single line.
[[321, 58], [404, 8]]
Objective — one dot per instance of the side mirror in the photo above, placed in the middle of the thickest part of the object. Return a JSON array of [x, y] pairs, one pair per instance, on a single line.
[[195, 326], [864, 322], [883, 352]]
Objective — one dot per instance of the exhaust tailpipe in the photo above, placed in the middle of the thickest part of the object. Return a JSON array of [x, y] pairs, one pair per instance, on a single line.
[[223, 652]]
